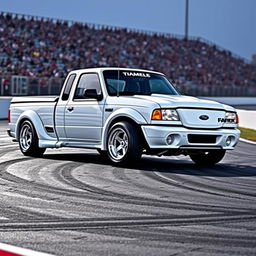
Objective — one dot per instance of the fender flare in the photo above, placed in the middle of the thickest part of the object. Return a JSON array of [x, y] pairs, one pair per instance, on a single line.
[[34, 118], [132, 114]]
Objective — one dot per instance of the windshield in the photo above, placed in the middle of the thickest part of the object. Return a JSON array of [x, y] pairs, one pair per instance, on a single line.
[[136, 82]]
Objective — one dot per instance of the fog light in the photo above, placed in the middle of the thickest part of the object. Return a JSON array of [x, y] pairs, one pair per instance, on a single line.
[[170, 139], [228, 141]]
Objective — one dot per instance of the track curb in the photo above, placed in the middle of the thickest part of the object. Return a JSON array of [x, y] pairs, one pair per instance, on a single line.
[[8, 250]]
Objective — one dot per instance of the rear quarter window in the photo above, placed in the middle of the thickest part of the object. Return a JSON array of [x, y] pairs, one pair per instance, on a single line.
[[68, 87]]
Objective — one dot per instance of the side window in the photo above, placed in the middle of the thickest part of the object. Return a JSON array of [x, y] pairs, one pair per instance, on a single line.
[[68, 87], [87, 81]]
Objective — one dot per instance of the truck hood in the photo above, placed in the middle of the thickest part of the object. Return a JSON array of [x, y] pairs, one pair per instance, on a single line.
[[190, 109], [168, 101], [179, 101]]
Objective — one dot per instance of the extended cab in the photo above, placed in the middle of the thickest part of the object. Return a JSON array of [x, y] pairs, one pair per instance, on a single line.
[[124, 113]]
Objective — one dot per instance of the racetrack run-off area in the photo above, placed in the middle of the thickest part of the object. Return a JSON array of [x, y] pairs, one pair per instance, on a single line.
[[73, 202]]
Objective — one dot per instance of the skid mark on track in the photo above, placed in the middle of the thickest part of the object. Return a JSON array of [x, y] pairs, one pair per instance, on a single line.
[[166, 201]]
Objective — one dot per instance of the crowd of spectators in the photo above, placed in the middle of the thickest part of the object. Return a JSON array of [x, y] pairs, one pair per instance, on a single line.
[[47, 48]]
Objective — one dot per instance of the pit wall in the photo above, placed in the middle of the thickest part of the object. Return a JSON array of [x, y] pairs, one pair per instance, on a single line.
[[4, 106]]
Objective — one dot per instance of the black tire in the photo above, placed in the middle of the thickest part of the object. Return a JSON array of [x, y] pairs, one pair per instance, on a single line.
[[28, 140], [208, 158], [130, 143]]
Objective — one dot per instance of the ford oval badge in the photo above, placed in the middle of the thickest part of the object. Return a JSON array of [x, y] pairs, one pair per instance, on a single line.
[[204, 117]]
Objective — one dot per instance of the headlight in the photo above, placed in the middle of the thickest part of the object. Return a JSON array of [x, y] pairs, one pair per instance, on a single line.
[[231, 117], [170, 115], [165, 115]]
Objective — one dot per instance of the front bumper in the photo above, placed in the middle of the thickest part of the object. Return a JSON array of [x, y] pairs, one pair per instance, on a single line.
[[156, 137]]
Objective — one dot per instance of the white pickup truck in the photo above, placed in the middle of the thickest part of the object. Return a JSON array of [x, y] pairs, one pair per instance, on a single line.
[[124, 113]]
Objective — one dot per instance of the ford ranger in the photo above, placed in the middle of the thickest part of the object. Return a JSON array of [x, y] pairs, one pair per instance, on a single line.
[[124, 113]]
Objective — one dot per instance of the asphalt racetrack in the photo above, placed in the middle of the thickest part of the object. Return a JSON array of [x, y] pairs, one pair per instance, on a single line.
[[72, 202]]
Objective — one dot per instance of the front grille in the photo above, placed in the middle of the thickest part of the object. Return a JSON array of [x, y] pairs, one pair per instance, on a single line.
[[195, 138]]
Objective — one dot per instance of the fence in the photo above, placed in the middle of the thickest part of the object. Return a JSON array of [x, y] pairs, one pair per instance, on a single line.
[[23, 85], [29, 86], [218, 91]]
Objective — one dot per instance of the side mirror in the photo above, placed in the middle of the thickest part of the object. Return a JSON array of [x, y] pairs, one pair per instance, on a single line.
[[92, 94]]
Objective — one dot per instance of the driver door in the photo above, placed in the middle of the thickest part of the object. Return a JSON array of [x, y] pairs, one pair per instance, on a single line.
[[84, 116]]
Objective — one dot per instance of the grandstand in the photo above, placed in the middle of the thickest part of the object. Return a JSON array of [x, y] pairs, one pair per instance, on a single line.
[[41, 51]]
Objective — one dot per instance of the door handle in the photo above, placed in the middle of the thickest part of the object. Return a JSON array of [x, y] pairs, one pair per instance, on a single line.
[[70, 109]]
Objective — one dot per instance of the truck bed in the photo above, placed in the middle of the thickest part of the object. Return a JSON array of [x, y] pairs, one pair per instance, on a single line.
[[42, 107], [33, 99]]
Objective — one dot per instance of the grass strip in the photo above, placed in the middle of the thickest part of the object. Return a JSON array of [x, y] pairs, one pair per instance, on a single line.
[[247, 133]]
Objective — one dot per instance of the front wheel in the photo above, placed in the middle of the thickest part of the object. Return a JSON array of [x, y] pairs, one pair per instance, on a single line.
[[28, 140], [208, 158], [124, 143]]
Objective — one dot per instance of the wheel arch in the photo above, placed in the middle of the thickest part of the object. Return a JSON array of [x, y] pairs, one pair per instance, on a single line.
[[131, 116], [34, 118]]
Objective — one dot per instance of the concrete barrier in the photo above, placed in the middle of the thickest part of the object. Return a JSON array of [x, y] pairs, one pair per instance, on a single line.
[[247, 118], [4, 106]]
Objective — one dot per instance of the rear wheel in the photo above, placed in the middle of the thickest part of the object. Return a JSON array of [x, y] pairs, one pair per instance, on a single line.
[[28, 140], [208, 158], [123, 143]]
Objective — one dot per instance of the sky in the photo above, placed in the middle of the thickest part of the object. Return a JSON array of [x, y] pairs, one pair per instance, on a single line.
[[230, 24]]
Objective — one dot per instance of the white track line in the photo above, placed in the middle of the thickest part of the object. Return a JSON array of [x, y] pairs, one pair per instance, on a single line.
[[248, 141], [20, 251]]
